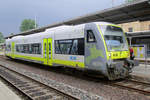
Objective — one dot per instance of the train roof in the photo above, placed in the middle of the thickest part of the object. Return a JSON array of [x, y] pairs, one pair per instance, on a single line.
[[62, 28], [44, 34]]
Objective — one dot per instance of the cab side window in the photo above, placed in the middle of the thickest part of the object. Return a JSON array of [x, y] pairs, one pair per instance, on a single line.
[[90, 36]]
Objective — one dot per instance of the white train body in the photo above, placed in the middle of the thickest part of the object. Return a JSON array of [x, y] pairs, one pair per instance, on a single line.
[[73, 46]]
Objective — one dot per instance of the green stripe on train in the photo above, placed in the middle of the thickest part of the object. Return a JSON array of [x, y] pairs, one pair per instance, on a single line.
[[69, 63], [56, 61]]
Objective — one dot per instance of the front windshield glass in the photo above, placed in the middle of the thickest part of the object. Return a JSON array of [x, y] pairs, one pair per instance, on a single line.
[[114, 38]]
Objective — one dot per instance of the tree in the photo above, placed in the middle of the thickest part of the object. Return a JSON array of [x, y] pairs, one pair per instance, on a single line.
[[1, 38], [128, 1], [11, 33], [27, 24]]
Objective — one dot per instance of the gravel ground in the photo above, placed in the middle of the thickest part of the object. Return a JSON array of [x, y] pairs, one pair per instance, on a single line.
[[96, 87]]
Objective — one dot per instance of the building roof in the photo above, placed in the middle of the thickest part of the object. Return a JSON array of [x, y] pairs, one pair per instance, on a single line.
[[138, 34], [139, 10]]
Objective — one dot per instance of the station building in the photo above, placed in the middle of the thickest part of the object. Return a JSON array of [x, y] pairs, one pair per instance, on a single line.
[[138, 33], [136, 26]]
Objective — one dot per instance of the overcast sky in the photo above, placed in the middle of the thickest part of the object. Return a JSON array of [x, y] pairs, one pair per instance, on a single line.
[[12, 12]]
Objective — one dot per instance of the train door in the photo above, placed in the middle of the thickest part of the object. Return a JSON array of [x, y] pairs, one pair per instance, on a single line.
[[12, 49], [47, 51]]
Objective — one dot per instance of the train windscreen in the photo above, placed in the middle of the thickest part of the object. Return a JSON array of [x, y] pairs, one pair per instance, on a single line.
[[114, 38]]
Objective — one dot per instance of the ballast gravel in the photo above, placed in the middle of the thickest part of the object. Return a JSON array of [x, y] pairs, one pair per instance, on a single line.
[[81, 94], [88, 86]]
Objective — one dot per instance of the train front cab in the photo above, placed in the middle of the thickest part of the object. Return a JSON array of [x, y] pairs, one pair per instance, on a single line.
[[106, 50]]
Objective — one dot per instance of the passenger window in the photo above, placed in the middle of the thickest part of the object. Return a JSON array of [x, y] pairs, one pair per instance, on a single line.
[[81, 46], [29, 48], [70, 46], [74, 49], [90, 36]]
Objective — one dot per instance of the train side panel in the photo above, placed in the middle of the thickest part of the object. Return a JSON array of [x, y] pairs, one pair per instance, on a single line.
[[48, 55], [66, 47]]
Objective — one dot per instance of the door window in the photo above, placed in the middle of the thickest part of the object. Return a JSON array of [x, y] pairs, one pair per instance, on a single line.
[[45, 49], [49, 50], [90, 36]]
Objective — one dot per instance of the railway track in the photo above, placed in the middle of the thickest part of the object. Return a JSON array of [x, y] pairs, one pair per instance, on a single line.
[[31, 88], [134, 85]]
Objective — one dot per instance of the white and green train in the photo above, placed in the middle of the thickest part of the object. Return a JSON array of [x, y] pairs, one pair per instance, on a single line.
[[97, 46]]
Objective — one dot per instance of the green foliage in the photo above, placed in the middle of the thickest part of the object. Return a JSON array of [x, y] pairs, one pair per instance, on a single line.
[[128, 1], [11, 33], [1, 38], [27, 24]]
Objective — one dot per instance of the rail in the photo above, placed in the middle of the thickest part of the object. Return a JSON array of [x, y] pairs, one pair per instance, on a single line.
[[31, 88], [134, 85]]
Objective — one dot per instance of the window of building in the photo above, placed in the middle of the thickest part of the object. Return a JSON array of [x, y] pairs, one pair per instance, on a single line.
[[130, 29], [70, 46], [90, 36]]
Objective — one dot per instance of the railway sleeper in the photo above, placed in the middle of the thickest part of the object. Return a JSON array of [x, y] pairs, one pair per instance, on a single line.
[[31, 88]]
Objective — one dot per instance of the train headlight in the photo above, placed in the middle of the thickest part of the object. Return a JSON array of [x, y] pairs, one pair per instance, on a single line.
[[109, 55]]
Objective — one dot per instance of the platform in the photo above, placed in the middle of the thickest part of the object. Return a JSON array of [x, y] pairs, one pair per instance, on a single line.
[[6, 93], [143, 59], [142, 72]]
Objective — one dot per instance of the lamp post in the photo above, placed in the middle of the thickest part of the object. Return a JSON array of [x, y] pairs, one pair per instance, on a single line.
[[35, 21], [112, 3]]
